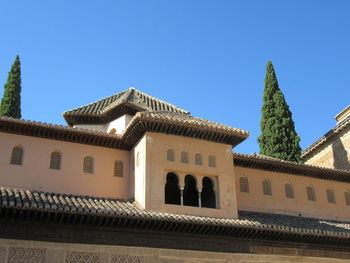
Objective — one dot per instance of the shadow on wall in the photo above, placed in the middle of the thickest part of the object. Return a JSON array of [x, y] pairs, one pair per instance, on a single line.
[[340, 156]]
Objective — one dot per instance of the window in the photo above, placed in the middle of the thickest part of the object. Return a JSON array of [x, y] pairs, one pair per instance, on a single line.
[[17, 155], [170, 156], [330, 196], [212, 161], [288, 187], [88, 166], [208, 195], [172, 190], [118, 168], [243, 184], [184, 157], [347, 197], [198, 159], [311, 196], [190, 193], [55, 160], [267, 187]]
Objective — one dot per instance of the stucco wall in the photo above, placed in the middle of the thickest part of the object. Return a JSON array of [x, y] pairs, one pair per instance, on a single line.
[[255, 200], [158, 167], [34, 173], [51, 252], [335, 155]]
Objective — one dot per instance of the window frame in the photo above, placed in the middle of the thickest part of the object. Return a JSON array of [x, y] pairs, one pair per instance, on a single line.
[[92, 164]]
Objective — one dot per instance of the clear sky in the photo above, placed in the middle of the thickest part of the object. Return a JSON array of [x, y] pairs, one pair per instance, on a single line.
[[208, 57]]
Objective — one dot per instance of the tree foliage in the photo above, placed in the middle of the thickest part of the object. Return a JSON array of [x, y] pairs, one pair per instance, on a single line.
[[11, 102], [278, 137]]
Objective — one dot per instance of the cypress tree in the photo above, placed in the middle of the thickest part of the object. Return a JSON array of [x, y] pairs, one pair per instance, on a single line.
[[11, 102], [278, 137]]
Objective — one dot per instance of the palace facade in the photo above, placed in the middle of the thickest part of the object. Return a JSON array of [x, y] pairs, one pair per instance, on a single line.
[[136, 179]]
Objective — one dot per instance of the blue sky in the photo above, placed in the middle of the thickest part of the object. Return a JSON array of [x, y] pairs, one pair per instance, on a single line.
[[208, 57]]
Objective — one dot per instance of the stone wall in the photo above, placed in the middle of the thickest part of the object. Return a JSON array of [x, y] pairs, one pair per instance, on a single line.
[[336, 154], [19, 251]]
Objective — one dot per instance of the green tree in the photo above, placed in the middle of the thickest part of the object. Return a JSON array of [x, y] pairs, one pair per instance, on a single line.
[[278, 137], [11, 102]]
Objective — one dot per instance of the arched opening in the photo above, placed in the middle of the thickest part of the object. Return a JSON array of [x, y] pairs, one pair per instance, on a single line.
[[170, 156], [208, 193], [267, 187], [347, 198], [330, 196], [184, 157], [55, 160], [243, 184], [118, 168], [190, 194], [88, 165], [289, 190], [172, 191], [311, 196], [17, 155], [212, 161], [198, 159]]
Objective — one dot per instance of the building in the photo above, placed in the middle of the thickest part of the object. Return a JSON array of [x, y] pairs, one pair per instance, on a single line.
[[136, 179], [332, 149]]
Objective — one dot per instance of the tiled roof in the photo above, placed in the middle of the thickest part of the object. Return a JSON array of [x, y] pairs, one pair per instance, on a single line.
[[163, 122], [129, 101], [342, 126], [263, 162], [62, 133], [51, 203], [191, 121]]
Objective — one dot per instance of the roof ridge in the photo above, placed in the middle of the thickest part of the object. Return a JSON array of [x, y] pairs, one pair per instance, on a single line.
[[162, 101], [89, 104]]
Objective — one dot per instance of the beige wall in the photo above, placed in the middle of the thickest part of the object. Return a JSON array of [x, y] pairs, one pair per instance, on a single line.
[[334, 155], [34, 173], [51, 252], [157, 168], [255, 200], [140, 172]]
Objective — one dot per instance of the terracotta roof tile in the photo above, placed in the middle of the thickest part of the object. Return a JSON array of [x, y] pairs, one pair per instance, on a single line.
[[263, 162], [51, 202], [132, 98]]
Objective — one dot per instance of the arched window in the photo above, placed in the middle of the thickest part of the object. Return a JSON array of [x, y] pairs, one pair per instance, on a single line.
[[170, 156], [172, 191], [212, 161], [55, 160], [243, 184], [198, 159], [347, 197], [118, 168], [190, 193], [288, 187], [330, 196], [311, 196], [88, 166], [267, 187], [208, 194], [184, 157], [17, 155]]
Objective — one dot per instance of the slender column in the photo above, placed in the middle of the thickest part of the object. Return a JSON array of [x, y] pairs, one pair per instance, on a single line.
[[182, 187], [182, 195], [199, 198]]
